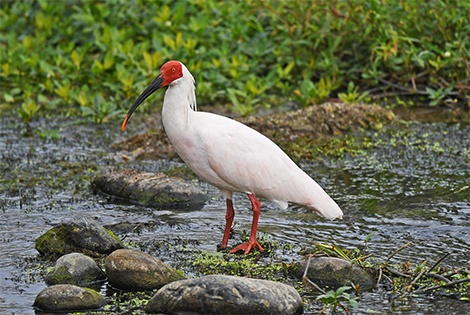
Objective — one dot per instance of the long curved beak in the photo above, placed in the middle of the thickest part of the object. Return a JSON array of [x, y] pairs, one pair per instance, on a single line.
[[155, 85]]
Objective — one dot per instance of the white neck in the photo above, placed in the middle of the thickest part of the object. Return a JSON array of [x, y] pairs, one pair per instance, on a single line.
[[179, 102]]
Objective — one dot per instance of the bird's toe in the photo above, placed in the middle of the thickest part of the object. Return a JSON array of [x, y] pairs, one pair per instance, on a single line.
[[247, 247]]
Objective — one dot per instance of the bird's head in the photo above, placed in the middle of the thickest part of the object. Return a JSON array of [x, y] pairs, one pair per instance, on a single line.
[[169, 72]]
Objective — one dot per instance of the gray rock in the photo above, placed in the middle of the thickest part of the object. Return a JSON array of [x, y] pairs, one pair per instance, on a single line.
[[149, 189], [66, 297], [334, 272], [75, 269], [77, 233], [137, 271], [219, 294]]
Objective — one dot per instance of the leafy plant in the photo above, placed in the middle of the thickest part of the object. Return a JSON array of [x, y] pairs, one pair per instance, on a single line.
[[242, 102], [260, 48], [48, 134], [352, 95], [311, 93], [334, 298], [28, 110], [437, 96], [100, 110]]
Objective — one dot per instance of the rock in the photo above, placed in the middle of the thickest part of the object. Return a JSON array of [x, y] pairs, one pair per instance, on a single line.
[[78, 233], [68, 297], [135, 271], [219, 294], [334, 272], [75, 269], [149, 189]]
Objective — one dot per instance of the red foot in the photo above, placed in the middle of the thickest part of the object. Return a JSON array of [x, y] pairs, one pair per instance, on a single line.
[[247, 247]]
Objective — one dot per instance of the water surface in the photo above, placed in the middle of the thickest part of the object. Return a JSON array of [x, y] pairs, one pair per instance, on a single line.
[[409, 187]]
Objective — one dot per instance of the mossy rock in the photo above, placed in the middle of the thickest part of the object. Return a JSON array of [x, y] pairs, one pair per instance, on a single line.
[[77, 234], [77, 269], [66, 297], [55, 241], [150, 189], [135, 271]]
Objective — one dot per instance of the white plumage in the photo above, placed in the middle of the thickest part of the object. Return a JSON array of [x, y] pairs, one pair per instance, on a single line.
[[230, 155]]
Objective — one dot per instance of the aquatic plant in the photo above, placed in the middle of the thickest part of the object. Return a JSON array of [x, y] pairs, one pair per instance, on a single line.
[[333, 299]]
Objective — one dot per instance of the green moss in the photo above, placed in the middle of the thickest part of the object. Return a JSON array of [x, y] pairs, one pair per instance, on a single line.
[[164, 199], [243, 265], [62, 275], [114, 236], [93, 293], [236, 265], [55, 241], [181, 171]]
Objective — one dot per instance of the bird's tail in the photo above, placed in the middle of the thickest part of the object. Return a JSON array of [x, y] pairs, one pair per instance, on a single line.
[[315, 198], [331, 211]]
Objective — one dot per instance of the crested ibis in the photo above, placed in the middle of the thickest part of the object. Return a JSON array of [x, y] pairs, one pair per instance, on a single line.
[[231, 155]]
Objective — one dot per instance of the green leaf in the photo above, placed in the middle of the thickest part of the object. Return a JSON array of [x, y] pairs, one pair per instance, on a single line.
[[87, 111], [47, 68], [157, 58], [76, 59], [8, 98], [164, 15], [6, 69], [108, 60], [340, 290], [148, 61], [97, 66], [48, 133], [431, 92], [82, 99], [179, 13], [106, 38], [63, 92], [27, 41], [170, 42]]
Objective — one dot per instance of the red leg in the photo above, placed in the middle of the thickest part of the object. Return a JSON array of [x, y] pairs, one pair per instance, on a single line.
[[228, 222], [252, 242]]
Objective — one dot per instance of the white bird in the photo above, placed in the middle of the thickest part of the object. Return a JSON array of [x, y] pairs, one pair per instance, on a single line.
[[231, 155]]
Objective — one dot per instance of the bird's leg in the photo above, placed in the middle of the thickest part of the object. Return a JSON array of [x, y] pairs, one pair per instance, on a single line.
[[252, 242], [228, 222]]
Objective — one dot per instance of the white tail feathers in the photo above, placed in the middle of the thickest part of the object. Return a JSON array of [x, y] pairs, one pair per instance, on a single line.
[[332, 211]]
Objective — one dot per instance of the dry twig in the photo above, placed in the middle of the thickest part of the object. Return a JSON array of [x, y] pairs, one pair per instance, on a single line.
[[389, 257]]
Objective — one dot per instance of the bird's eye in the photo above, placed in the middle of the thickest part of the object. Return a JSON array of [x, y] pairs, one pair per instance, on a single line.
[[173, 69]]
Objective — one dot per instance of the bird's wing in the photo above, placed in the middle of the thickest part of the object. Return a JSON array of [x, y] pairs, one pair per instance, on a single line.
[[252, 163], [243, 157]]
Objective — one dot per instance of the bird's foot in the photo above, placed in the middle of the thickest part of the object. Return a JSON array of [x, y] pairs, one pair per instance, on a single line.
[[247, 246]]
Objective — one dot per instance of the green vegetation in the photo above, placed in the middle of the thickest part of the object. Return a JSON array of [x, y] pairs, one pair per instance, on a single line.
[[93, 58], [333, 298]]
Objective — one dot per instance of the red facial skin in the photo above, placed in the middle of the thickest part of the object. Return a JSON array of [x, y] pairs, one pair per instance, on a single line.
[[171, 71]]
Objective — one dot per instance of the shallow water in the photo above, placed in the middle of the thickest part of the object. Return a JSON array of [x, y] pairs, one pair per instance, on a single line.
[[411, 188]]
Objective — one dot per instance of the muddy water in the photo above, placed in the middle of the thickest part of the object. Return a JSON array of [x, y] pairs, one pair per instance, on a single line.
[[408, 187]]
